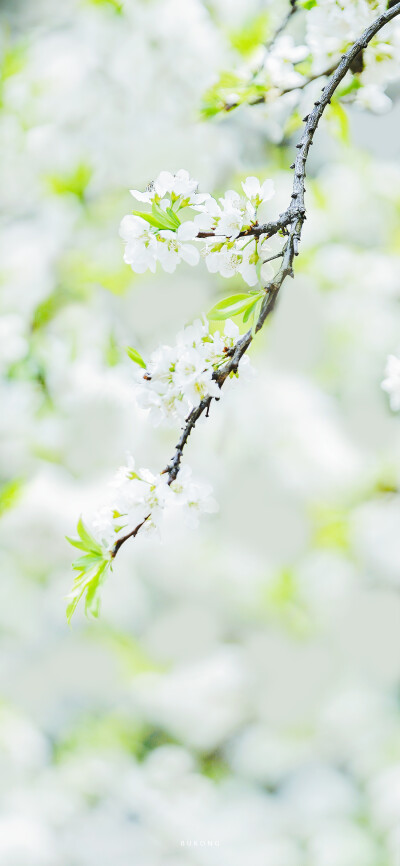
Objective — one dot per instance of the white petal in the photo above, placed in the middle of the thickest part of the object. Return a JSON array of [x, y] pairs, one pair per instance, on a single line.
[[141, 196], [251, 186], [267, 190], [164, 183], [189, 254], [267, 271], [132, 227], [187, 231]]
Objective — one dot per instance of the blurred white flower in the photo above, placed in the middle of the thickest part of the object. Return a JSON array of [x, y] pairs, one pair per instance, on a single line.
[[391, 383]]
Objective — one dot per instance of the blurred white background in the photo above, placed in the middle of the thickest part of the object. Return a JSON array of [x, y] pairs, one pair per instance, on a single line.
[[241, 687]]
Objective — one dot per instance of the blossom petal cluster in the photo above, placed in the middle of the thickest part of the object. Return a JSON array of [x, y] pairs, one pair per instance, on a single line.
[[178, 377], [138, 496], [331, 27], [277, 76], [217, 230]]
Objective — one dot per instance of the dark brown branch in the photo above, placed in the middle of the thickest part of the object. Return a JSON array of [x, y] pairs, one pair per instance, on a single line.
[[263, 98], [131, 534], [294, 218]]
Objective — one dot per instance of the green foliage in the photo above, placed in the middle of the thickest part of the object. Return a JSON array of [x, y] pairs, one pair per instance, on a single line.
[[78, 276], [71, 183], [160, 219], [234, 305], [308, 4], [10, 493], [331, 527], [46, 311], [283, 602], [338, 121], [92, 570], [346, 89], [251, 34], [133, 657], [12, 62], [229, 91], [135, 357], [293, 123], [112, 4]]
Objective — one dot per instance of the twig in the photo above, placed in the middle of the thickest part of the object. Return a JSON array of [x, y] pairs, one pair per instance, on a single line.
[[280, 29], [294, 218]]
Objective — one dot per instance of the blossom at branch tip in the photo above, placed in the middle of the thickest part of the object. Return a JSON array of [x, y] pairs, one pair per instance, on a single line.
[[194, 497], [391, 384], [140, 496]]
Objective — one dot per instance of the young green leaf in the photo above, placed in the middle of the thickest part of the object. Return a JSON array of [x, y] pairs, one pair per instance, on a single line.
[[92, 570], [92, 544], [164, 221], [135, 357], [175, 219], [152, 220], [234, 305]]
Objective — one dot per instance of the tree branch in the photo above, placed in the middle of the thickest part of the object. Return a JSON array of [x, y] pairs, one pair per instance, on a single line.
[[292, 220]]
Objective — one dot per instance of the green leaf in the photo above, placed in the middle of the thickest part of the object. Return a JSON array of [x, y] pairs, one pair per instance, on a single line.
[[135, 357], [355, 84], [175, 219], [113, 4], [86, 537], [165, 221], [88, 581], [249, 312], [251, 34], [233, 305], [9, 494], [74, 183], [339, 121], [86, 542], [152, 220], [76, 543], [230, 89]]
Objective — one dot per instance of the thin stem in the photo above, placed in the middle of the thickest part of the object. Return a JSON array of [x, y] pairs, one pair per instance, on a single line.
[[292, 220]]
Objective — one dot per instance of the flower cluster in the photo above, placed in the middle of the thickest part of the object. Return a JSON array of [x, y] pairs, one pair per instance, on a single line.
[[277, 76], [178, 377], [139, 496], [332, 26], [138, 500], [179, 215]]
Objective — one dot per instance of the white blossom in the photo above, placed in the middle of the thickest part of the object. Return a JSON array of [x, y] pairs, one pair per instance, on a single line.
[[280, 60], [391, 383], [178, 377], [230, 259], [172, 249], [141, 244], [140, 496], [194, 497], [256, 192]]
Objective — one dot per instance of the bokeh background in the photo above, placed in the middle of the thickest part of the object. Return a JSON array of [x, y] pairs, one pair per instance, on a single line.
[[238, 701]]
